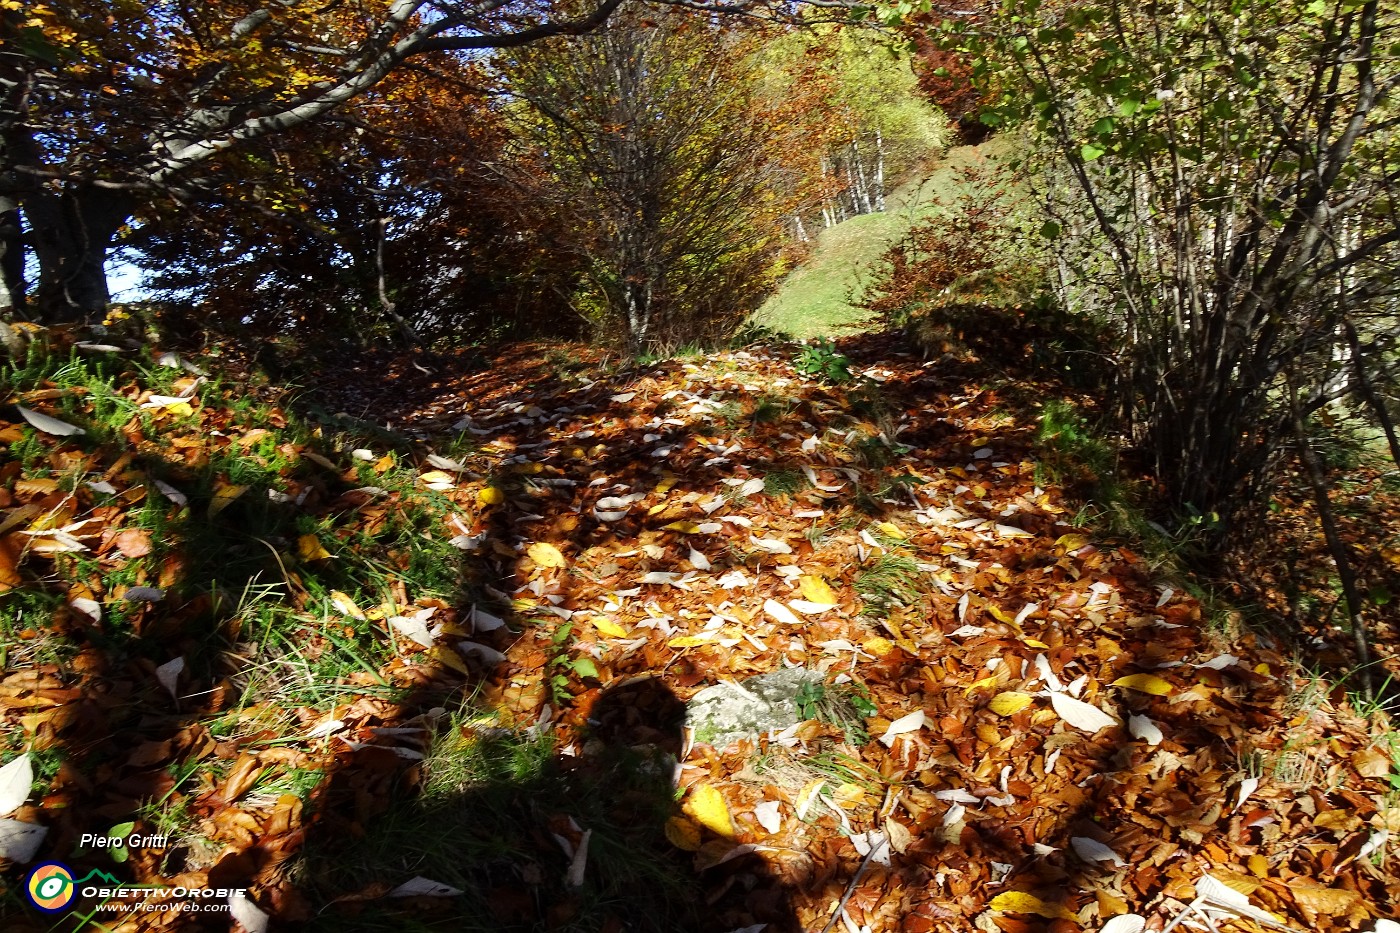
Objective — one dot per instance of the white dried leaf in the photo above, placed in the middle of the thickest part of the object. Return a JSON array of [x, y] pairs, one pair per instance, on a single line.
[[734, 579], [768, 815], [1081, 715], [913, 722], [579, 865], [169, 676], [88, 607], [1125, 923], [1376, 840], [15, 780], [875, 844], [447, 463], [49, 425], [424, 887], [173, 494], [250, 915], [808, 608], [771, 545], [1042, 667], [659, 577], [483, 621], [967, 631], [413, 629], [20, 841], [954, 814], [751, 487], [957, 795], [698, 561], [163, 401], [102, 486], [1247, 786], [485, 653], [1215, 895], [1220, 662], [1091, 850], [325, 728], [1140, 727], [780, 613]]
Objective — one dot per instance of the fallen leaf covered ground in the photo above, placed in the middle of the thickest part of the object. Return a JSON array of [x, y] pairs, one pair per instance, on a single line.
[[1047, 733]]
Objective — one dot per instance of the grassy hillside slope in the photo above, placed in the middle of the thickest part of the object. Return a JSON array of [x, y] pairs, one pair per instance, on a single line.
[[819, 298]]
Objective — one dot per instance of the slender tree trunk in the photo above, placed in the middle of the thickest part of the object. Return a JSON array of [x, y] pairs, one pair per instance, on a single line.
[[1341, 557]]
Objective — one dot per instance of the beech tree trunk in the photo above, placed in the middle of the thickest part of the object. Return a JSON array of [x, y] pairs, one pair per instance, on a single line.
[[71, 232]]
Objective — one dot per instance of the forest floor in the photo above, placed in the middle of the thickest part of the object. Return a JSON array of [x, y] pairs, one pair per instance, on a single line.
[[422, 663]]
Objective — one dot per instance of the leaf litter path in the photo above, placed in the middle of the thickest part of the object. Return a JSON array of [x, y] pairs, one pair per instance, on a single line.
[[1054, 736], [1055, 740]]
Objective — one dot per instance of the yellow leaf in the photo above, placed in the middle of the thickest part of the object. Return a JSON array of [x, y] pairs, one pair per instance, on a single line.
[[1262, 668], [849, 796], [665, 485], [880, 647], [490, 496], [1259, 865], [688, 528], [889, 530], [816, 590], [1034, 643], [436, 476], [609, 627], [978, 685], [1145, 683], [997, 613], [1009, 703], [310, 549], [1019, 902], [345, 604], [706, 805], [223, 498], [546, 555], [689, 641], [1072, 542], [446, 656], [683, 833]]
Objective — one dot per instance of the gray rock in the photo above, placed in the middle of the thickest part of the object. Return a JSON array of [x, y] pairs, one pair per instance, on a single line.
[[767, 703]]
